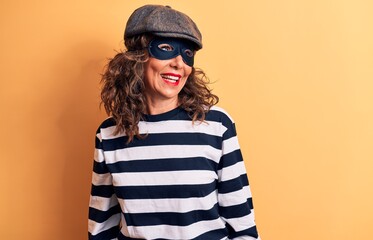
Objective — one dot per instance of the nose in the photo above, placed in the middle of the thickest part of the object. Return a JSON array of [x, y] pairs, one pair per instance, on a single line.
[[177, 62]]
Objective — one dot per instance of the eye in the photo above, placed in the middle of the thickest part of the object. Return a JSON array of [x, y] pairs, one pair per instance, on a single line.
[[165, 47], [189, 53]]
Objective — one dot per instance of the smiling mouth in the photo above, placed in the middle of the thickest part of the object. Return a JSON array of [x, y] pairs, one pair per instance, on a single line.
[[171, 78]]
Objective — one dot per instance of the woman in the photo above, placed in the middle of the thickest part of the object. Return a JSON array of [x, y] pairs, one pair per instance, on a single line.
[[167, 162]]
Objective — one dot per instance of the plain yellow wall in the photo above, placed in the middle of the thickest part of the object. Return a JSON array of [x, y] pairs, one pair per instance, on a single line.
[[297, 76]]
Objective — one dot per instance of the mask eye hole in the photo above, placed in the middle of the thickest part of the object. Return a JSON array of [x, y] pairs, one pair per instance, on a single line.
[[165, 47], [189, 53]]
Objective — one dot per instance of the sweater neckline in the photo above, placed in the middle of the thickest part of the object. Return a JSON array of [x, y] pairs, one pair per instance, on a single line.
[[162, 116]]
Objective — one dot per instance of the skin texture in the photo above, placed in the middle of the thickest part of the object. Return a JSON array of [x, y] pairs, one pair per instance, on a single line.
[[161, 92]]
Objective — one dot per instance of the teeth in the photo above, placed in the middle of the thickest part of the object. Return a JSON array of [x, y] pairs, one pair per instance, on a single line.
[[172, 78]]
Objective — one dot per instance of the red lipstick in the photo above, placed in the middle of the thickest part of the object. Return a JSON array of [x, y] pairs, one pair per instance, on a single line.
[[172, 79]]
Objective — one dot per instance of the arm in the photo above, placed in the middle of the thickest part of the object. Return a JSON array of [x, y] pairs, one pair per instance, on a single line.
[[234, 195], [104, 210]]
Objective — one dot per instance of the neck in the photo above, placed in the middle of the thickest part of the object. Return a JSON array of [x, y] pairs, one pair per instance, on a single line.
[[158, 107]]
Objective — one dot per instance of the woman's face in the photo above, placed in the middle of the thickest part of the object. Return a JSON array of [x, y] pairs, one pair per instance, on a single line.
[[164, 79]]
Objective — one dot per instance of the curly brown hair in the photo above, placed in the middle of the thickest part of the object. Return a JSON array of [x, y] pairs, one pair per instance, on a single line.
[[123, 88]]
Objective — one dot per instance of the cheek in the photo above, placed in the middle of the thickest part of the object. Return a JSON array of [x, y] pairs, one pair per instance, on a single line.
[[153, 66], [150, 72], [187, 71]]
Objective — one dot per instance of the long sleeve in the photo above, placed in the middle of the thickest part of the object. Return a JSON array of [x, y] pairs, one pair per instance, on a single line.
[[234, 195], [104, 210]]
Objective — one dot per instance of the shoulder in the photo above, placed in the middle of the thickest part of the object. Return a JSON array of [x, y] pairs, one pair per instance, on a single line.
[[219, 114], [108, 122], [106, 128]]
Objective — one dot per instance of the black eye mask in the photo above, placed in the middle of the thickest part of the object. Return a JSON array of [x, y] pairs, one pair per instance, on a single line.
[[168, 48]]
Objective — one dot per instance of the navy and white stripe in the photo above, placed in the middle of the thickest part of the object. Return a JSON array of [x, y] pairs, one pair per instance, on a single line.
[[182, 181]]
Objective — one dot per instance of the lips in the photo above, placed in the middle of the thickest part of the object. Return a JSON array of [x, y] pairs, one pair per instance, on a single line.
[[171, 78]]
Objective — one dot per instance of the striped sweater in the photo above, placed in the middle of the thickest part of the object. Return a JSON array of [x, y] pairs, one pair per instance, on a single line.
[[182, 181]]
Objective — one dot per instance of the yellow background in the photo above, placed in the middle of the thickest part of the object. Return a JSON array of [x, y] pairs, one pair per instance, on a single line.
[[295, 75]]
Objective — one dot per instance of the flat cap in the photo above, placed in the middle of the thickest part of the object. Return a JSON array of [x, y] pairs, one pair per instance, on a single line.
[[162, 21]]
